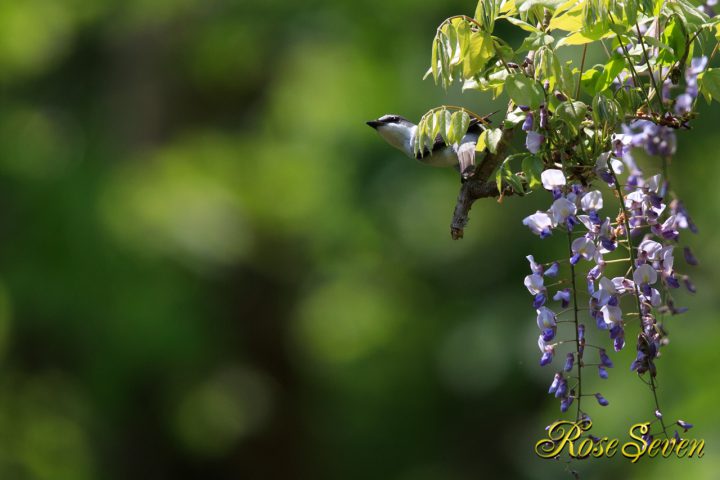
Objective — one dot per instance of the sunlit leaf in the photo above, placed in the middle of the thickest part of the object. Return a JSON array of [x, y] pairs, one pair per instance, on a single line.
[[494, 137], [570, 21], [486, 13], [536, 40], [709, 82], [596, 22], [532, 167], [519, 23], [578, 38], [524, 91], [675, 38], [611, 70], [480, 50], [481, 142], [589, 80]]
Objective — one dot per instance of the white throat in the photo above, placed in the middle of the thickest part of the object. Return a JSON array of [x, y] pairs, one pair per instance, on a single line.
[[399, 136]]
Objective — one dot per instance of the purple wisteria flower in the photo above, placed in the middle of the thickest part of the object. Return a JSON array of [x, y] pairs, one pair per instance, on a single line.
[[555, 383], [563, 296], [528, 122], [592, 201], [684, 102], [534, 141], [563, 212], [685, 425], [565, 403], [644, 276], [707, 8], [607, 167], [648, 211], [604, 359], [545, 318], [682, 218], [539, 223], [582, 247], [655, 139], [689, 257], [546, 322], [569, 360], [552, 179], [553, 270]]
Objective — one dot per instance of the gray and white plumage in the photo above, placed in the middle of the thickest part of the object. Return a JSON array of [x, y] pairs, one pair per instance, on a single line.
[[400, 133]]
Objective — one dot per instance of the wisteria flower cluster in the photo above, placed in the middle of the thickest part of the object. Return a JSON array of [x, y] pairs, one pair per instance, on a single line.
[[574, 130], [593, 239]]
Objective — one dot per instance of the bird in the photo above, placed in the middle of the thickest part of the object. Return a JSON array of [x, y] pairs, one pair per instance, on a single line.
[[400, 133]]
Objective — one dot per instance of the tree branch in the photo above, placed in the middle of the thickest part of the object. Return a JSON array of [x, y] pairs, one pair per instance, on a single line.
[[478, 186]]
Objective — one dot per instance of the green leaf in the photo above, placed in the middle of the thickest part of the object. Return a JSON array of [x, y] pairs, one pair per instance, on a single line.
[[570, 21], [516, 183], [572, 113], [596, 21], [547, 67], [464, 34], [654, 42], [524, 91], [453, 51], [499, 178], [692, 18], [631, 8], [485, 14], [459, 123], [481, 142], [480, 50], [709, 82], [434, 60], [589, 80], [503, 50], [611, 70], [527, 5], [524, 25], [428, 132], [444, 121], [532, 166], [570, 78], [536, 40], [513, 118], [436, 125], [505, 174], [578, 38], [493, 138], [606, 111], [629, 99], [675, 37]]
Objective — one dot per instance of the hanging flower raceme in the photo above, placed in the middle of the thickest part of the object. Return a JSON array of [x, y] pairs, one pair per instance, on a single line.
[[651, 273]]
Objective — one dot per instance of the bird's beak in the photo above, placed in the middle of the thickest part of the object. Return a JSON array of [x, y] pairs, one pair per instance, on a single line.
[[374, 124]]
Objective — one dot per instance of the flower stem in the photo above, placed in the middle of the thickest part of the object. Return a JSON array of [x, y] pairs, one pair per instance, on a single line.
[[577, 334], [637, 289]]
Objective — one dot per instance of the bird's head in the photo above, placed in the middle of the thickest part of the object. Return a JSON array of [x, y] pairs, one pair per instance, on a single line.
[[397, 131]]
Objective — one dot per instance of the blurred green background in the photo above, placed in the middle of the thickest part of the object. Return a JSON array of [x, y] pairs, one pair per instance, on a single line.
[[210, 268]]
